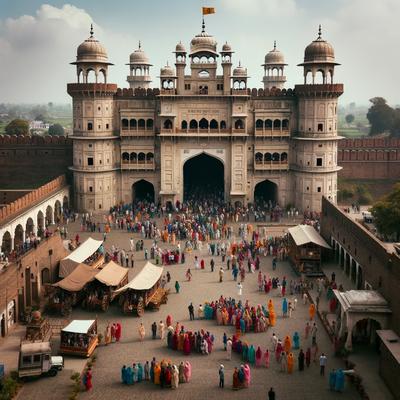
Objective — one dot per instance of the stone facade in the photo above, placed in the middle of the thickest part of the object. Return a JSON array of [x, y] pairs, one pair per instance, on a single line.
[[274, 144]]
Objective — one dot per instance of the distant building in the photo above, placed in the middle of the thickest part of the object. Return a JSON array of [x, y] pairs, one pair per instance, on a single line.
[[38, 125]]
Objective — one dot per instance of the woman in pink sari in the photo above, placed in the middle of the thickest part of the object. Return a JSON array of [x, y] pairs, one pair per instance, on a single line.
[[186, 345], [187, 371], [258, 357], [266, 358], [247, 375]]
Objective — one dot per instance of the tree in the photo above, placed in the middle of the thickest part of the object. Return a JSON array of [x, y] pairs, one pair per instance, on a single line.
[[387, 213], [56, 130], [380, 115], [349, 118], [17, 127]]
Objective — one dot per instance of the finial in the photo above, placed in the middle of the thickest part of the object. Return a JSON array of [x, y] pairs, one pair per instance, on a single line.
[[240, 63], [319, 32], [91, 30], [203, 26], [274, 44], [167, 64], [140, 45]]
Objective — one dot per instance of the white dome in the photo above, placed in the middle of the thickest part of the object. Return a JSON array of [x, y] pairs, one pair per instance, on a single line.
[[240, 71], [274, 57], [180, 48], [319, 51], [91, 50], [139, 57], [203, 42], [167, 71], [226, 48]]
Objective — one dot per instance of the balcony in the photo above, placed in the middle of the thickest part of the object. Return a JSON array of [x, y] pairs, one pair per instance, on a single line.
[[266, 132], [126, 131], [198, 132], [138, 165], [271, 165]]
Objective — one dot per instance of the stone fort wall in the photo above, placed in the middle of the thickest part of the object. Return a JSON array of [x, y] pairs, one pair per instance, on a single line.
[[369, 158], [27, 162]]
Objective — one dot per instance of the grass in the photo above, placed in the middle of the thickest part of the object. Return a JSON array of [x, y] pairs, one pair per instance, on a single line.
[[351, 132], [66, 122]]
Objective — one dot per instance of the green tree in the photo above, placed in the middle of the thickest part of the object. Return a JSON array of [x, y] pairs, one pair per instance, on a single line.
[[387, 213], [380, 115], [349, 118], [17, 127], [395, 131], [56, 130], [363, 195]]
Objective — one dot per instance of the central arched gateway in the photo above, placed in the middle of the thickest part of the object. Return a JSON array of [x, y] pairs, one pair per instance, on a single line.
[[143, 191], [266, 192], [203, 178]]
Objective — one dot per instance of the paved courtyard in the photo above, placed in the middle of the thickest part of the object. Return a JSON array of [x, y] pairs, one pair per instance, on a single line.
[[204, 286]]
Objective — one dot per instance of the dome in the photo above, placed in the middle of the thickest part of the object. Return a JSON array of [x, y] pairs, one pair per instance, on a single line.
[[226, 48], [91, 50], [319, 51], [180, 48], [274, 56], [240, 71], [167, 71], [139, 57], [203, 42]]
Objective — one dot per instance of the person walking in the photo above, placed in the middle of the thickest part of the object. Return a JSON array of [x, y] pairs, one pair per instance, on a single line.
[[240, 288], [191, 311], [271, 394], [161, 330], [154, 330], [221, 374], [142, 332], [322, 364], [188, 275], [212, 263], [177, 287], [221, 274]]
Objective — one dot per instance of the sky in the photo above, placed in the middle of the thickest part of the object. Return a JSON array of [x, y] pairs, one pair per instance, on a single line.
[[38, 40]]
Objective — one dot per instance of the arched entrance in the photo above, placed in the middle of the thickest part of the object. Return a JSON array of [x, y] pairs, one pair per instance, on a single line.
[[6, 245], [266, 193], [49, 216], [40, 224], [19, 237], [203, 178], [143, 191], [57, 212], [364, 333], [29, 227]]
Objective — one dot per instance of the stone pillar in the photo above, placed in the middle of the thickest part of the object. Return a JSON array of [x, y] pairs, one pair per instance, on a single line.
[[349, 340]]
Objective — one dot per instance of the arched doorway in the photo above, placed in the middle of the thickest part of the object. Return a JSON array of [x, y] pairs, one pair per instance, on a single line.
[[203, 178], [40, 224], [29, 227], [19, 237], [6, 245], [49, 215], [364, 333], [45, 276], [266, 193], [65, 203], [57, 212], [143, 191]]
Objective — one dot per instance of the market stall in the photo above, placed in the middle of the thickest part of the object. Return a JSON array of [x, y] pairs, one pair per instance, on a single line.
[[143, 291], [79, 338]]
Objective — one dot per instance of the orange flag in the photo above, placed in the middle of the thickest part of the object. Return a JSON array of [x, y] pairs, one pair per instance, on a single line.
[[208, 10]]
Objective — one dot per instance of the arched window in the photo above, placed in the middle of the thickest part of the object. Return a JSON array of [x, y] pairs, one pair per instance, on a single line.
[[285, 124], [319, 77], [203, 59], [239, 124], [168, 124], [213, 124], [141, 158], [184, 125], [195, 60], [277, 124], [149, 157], [284, 157], [204, 74], [141, 123], [268, 123], [236, 85], [268, 157], [193, 124], [90, 76], [259, 124], [203, 124], [242, 85], [133, 123], [275, 157], [149, 123], [133, 157], [222, 125], [125, 157], [102, 77], [259, 158], [125, 124]]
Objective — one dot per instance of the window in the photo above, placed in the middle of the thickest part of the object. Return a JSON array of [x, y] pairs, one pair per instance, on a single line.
[[220, 86], [320, 145], [100, 206], [107, 126], [319, 189], [26, 359], [90, 145], [90, 188], [90, 161], [100, 161], [90, 126], [36, 358], [319, 161], [99, 108], [320, 127], [187, 86], [308, 188]]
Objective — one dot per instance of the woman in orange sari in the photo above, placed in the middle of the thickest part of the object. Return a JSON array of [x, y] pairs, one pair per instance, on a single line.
[[311, 311]]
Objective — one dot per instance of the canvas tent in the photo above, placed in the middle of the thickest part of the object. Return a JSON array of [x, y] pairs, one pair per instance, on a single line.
[[79, 255], [112, 274], [78, 278], [304, 234], [144, 280], [79, 326]]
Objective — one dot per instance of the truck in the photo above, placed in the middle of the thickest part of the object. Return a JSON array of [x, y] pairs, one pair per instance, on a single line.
[[35, 360]]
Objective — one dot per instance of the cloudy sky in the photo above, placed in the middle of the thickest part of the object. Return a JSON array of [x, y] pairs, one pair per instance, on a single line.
[[38, 40]]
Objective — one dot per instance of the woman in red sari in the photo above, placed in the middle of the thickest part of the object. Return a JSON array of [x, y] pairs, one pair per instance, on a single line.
[[186, 345], [88, 380], [235, 383]]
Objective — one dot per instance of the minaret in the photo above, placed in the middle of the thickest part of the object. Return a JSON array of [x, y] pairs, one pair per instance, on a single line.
[[95, 150], [139, 68], [226, 56], [274, 65], [180, 64], [314, 155]]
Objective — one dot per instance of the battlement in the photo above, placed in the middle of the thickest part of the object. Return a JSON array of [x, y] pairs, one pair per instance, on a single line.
[[273, 92], [32, 197], [324, 90], [369, 143], [91, 88], [150, 93], [35, 140]]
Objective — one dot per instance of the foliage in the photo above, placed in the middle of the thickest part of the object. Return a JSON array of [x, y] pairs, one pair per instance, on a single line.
[[383, 118], [56, 130], [350, 118], [345, 194], [17, 127], [387, 213], [364, 196], [9, 388]]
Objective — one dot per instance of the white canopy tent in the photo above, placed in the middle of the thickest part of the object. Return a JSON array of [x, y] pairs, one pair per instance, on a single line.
[[79, 326], [78, 256], [303, 234], [145, 279]]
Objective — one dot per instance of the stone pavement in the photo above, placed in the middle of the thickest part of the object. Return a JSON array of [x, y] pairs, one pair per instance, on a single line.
[[203, 287]]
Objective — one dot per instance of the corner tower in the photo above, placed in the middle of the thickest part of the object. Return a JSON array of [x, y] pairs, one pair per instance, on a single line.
[[95, 148], [274, 65], [139, 70], [314, 147]]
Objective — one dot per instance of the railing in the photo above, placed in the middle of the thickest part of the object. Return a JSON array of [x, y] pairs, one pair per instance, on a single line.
[[197, 131], [138, 165], [127, 131], [270, 132], [271, 165]]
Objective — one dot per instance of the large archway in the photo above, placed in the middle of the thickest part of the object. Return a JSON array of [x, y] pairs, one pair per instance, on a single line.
[[6, 244], [203, 178], [143, 191], [266, 194]]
